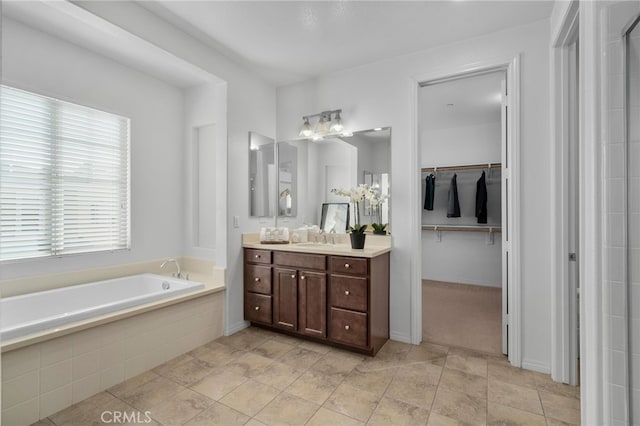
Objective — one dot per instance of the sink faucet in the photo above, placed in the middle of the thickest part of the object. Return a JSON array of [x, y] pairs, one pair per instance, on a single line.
[[177, 274]]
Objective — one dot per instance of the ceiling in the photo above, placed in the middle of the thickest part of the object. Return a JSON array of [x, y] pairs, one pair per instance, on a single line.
[[290, 41], [463, 102]]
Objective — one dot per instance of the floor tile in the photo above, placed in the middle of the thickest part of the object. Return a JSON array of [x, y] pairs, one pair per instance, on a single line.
[[151, 393], [372, 381], [272, 349], [300, 358], [470, 384], [436, 419], [334, 366], [515, 396], [132, 383], [250, 397], [180, 408], [278, 375], [286, 409], [508, 374], [316, 347], [352, 402], [313, 386], [249, 365], [186, 372], [393, 412], [544, 383], [216, 386], [414, 389], [325, 417], [216, 354], [44, 422], [219, 415], [425, 354], [560, 407], [246, 339], [498, 414], [467, 362], [460, 407]]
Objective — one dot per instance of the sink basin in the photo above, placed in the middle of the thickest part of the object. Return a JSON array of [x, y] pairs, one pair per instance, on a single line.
[[311, 244]]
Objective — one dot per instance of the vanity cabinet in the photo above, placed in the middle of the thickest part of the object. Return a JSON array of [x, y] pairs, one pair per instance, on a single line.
[[339, 300]]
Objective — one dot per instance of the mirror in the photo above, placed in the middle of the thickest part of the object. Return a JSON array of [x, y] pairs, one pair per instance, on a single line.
[[262, 176], [308, 171]]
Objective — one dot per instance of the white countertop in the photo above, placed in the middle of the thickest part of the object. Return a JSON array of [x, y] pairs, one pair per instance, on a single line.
[[374, 246]]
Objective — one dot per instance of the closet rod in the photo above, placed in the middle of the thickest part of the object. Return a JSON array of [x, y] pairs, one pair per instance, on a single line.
[[465, 167], [462, 228]]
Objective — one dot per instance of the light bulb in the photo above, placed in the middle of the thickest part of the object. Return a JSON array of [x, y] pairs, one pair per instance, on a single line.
[[306, 131], [321, 127], [336, 124]]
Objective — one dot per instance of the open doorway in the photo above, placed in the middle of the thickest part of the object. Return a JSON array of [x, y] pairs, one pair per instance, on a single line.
[[462, 124]]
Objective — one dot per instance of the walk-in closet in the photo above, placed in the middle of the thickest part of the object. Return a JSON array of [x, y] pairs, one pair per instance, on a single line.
[[461, 136]]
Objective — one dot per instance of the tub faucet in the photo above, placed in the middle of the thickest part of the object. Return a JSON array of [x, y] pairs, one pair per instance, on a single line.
[[179, 273]]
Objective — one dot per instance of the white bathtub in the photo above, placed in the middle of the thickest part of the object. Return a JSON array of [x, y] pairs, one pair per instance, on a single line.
[[35, 312]]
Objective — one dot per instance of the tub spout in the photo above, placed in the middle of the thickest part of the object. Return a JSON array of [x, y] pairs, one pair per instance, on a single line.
[[178, 273]]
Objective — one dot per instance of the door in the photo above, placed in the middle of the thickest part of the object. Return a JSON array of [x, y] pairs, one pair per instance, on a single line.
[[505, 218], [285, 298], [312, 305]]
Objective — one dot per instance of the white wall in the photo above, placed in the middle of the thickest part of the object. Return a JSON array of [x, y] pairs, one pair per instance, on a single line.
[[250, 107], [477, 144], [43, 64], [379, 95]]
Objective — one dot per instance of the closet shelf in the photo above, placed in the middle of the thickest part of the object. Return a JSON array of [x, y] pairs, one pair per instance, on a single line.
[[463, 167], [462, 228]]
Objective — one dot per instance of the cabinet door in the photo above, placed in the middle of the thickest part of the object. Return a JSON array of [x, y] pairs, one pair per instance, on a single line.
[[312, 306], [285, 298]]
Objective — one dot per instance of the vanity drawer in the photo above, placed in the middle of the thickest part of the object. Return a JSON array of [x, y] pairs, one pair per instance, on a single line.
[[300, 260], [348, 292], [258, 256], [348, 265], [258, 278], [348, 327], [257, 307]]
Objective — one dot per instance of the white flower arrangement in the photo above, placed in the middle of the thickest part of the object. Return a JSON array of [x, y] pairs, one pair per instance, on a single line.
[[364, 192]]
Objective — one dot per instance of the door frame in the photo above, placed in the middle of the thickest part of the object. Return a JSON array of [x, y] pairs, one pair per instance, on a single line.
[[564, 326], [511, 64]]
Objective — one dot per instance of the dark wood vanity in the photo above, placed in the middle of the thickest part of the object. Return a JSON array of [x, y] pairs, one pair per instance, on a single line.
[[341, 300]]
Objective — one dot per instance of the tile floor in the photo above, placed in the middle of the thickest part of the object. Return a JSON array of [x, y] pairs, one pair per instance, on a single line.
[[257, 377]]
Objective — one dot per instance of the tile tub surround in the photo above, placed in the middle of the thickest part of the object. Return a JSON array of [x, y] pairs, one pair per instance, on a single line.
[[43, 378], [257, 377]]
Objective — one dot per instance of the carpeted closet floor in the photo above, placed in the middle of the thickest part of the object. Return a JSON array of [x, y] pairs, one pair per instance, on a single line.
[[466, 316]]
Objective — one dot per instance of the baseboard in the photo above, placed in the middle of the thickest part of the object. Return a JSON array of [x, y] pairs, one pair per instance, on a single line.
[[233, 329], [400, 337], [536, 366]]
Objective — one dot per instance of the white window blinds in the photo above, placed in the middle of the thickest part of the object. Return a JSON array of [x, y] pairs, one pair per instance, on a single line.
[[64, 177]]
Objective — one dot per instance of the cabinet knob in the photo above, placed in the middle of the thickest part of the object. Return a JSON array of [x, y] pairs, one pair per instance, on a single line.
[[257, 256], [302, 277], [347, 266], [346, 292], [293, 275], [257, 308], [346, 327], [257, 279]]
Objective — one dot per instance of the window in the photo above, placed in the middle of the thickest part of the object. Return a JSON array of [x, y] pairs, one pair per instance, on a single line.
[[64, 177]]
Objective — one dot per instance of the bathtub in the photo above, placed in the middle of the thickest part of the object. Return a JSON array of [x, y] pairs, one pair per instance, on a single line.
[[35, 312]]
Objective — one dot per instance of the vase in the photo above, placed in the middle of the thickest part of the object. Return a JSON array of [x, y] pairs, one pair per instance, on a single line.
[[357, 240], [381, 232]]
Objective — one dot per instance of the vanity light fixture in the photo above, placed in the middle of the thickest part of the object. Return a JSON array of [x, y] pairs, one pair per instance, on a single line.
[[324, 127]]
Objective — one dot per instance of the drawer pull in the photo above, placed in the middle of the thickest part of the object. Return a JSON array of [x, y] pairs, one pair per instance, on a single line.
[[257, 308], [257, 279], [346, 292], [302, 277], [346, 327], [293, 276], [347, 266]]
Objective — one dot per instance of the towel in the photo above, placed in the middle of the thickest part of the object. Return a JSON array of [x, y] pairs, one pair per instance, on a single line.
[[430, 192], [454, 204], [481, 199]]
